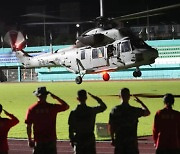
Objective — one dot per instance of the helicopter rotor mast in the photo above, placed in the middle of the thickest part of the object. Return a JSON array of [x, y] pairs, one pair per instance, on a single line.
[[101, 8]]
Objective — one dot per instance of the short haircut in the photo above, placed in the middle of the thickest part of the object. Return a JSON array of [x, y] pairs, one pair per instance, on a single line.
[[124, 92], [82, 93], [169, 99], [1, 108]]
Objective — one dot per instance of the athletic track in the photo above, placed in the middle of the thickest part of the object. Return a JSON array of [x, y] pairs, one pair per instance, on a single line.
[[20, 146]]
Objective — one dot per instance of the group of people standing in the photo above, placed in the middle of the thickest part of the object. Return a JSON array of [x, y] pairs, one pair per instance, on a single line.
[[123, 121]]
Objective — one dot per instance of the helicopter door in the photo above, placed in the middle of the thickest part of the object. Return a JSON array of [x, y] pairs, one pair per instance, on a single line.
[[125, 52], [99, 57], [85, 58]]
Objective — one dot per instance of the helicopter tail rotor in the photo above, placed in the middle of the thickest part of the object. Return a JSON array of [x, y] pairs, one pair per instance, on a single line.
[[15, 40]]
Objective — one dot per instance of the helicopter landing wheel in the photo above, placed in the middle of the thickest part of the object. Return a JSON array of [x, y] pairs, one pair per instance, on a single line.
[[78, 79], [137, 74]]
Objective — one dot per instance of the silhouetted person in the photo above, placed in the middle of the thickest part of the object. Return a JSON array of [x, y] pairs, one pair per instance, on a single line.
[[42, 116], [166, 128], [82, 122], [5, 125], [123, 121]]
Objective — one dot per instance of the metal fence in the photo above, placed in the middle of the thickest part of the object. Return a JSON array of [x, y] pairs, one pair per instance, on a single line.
[[14, 75]]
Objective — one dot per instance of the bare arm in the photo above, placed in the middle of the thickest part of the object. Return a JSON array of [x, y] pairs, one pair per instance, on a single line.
[[62, 102], [146, 110], [71, 122], [112, 133], [13, 118], [155, 129], [29, 134]]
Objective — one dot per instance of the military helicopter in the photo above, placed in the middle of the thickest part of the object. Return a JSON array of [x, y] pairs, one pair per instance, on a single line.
[[103, 49]]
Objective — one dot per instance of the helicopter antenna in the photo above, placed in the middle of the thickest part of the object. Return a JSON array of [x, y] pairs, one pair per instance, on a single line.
[[51, 47], [101, 8]]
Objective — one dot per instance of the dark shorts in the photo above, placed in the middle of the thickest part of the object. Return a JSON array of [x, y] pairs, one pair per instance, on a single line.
[[45, 148]]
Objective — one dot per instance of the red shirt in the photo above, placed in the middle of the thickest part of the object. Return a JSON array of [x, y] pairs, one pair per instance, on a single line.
[[43, 118], [166, 129], [5, 125]]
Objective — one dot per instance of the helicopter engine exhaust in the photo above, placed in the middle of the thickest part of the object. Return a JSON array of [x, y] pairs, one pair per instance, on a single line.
[[91, 39]]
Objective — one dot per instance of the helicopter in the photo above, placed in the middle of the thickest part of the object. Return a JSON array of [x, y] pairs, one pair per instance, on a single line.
[[103, 49]]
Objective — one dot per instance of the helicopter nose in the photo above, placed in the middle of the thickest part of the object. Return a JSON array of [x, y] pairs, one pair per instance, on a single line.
[[147, 55], [152, 55], [139, 57], [155, 54]]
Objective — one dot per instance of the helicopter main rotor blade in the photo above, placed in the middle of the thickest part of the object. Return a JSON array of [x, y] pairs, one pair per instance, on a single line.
[[100, 21], [142, 16], [58, 23], [44, 16], [147, 95], [152, 95], [144, 13]]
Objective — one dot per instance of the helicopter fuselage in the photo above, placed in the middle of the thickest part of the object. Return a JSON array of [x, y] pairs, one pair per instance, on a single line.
[[115, 56], [95, 51]]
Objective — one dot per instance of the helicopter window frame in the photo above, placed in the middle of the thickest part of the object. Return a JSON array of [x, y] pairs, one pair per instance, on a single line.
[[115, 51], [118, 49], [83, 55], [125, 46], [98, 53]]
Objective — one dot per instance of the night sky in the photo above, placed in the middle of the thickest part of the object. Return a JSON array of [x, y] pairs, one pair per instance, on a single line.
[[11, 11]]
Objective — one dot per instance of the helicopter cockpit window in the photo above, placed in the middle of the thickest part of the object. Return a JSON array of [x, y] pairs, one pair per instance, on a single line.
[[82, 54], [98, 53], [125, 46]]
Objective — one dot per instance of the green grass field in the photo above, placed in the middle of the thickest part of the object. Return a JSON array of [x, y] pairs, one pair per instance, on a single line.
[[17, 97]]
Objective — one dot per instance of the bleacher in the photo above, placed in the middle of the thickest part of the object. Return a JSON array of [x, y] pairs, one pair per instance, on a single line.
[[166, 66]]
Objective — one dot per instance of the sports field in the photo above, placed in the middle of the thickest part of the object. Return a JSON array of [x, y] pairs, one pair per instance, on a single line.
[[17, 97]]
